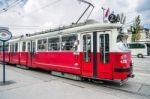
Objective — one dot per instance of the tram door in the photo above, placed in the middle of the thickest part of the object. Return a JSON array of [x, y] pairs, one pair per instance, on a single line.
[[87, 54], [95, 56], [104, 66], [31, 53]]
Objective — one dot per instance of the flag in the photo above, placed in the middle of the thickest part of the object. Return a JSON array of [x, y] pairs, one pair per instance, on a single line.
[[107, 12]]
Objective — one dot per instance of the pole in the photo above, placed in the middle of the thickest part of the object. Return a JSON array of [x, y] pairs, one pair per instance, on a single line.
[[3, 61], [89, 4], [83, 14], [103, 13]]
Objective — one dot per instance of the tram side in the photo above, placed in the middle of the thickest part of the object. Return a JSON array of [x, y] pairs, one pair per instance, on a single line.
[[7, 54], [94, 54], [47, 53]]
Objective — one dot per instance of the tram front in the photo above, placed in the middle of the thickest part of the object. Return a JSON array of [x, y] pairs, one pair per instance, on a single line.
[[104, 53], [123, 68]]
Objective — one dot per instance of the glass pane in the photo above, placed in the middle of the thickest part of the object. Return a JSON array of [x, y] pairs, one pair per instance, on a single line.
[[141, 46], [12, 48], [16, 47], [104, 48], [53, 44], [42, 45], [7, 47], [24, 46], [29, 47], [68, 42], [136, 45], [33, 46], [1, 48], [87, 48]]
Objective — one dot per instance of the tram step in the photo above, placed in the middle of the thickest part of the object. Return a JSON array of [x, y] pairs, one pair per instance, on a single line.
[[66, 75], [22, 67]]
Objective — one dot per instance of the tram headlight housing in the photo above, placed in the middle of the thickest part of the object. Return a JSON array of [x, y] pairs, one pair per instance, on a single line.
[[123, 59]]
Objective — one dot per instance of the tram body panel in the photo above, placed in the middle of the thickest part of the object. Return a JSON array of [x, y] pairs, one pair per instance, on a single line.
[[7, 56], [105, 70], [58, 61], [23, 58], [87, 67], [122, 67], [14, 57], [1, 57]]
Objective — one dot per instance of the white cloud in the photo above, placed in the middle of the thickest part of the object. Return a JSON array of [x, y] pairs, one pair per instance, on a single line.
[[44, 14]]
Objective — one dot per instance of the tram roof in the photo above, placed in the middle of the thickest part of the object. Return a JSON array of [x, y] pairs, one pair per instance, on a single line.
[[89, 25]]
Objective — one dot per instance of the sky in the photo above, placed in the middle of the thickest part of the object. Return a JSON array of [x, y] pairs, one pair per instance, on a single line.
[[30, 16]]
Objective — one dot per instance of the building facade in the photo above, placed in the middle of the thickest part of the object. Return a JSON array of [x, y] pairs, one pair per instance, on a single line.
[[144, 35]]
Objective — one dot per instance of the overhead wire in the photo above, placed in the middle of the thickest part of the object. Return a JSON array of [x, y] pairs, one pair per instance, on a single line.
[[13, 4], [36, 10]]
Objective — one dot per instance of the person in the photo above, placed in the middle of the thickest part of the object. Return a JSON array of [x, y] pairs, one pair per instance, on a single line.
[[120, 44]]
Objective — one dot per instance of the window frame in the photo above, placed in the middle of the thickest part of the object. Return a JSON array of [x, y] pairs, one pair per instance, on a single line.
[[59, 38], [87, 49], [23, 46], [46, 45], [61, 41], [104, 53]]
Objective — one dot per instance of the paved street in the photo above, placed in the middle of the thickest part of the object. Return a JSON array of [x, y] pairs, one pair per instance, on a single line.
[[39, 84], [142, 70]]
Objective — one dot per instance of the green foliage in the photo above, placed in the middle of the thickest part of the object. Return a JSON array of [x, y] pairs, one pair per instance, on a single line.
[[135, 30]]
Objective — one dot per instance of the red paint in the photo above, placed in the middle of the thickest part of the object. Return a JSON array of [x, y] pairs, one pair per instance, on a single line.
[[14, 57], [105, 70], [7, 56], [118, 64], [87, 67], [69, 63], [23, 58]]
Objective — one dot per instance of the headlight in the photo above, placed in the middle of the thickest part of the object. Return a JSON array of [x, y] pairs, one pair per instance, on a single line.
[[123, 59]]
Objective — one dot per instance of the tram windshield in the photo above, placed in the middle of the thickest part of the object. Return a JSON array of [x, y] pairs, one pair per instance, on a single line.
[[121, 43]]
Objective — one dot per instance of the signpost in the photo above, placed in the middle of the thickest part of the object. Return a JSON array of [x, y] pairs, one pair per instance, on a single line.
[[5, 35]]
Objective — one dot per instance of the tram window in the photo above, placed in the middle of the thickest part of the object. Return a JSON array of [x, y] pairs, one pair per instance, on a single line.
[[33, 47], [1, 48], [104, 48], [42, 45], [87, 48], [29, 47], [24, 46], [53, 44], [12, 47], [6, 47], [16, 47], [67, 43]]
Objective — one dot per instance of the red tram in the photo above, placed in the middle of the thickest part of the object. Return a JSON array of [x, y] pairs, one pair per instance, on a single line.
[[90, 49]]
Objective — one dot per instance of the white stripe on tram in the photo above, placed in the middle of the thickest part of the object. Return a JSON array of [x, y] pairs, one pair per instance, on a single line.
[[57, 65]]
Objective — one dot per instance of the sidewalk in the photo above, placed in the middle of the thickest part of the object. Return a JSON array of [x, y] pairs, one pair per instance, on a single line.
[[27, 87]]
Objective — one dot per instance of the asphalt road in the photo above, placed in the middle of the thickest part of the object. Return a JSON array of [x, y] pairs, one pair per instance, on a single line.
[[39, 84]]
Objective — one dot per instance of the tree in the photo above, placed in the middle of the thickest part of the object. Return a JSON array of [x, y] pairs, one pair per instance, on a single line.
[[135, 30]]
